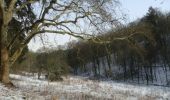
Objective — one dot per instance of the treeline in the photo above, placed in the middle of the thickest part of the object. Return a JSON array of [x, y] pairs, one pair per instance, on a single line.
[[137, 51]]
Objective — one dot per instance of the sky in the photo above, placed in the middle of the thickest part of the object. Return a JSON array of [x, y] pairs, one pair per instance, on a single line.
[[133, 9], [138, 8]]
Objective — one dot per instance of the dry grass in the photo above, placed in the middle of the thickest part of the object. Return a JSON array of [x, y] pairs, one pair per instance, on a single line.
[[76, 88]]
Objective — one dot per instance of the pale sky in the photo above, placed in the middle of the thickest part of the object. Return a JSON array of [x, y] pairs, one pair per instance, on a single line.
[[137, 8], [134, 9]]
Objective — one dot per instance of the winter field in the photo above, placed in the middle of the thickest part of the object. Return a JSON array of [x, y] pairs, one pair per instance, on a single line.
[[79, 88]]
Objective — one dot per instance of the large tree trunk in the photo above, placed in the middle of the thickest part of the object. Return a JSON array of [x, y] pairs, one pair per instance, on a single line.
[[6, 15], [4, 59], [4, 69], [4, 66]]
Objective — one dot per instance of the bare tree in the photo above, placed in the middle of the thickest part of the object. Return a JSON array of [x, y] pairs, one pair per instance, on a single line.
[[52, 16]]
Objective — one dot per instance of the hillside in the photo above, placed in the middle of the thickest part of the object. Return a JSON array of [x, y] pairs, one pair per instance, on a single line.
[[79, 88]]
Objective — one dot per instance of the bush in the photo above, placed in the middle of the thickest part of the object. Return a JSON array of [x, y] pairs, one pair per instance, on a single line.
[[54, 77]]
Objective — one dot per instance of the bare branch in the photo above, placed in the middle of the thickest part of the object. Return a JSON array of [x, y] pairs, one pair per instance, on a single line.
[[11, 6], [47, 9]]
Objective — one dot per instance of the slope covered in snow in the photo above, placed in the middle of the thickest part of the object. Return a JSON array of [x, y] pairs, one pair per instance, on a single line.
[[79, 88]]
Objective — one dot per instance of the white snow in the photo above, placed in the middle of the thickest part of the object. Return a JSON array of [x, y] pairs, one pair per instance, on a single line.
[[79, 88], [9, 94]]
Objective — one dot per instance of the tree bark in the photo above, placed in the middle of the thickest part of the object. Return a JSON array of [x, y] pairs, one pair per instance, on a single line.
[[4, 66], [4, 59], [4, 69]]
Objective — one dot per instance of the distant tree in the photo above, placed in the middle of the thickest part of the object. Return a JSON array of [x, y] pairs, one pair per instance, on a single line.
[[41, 63]]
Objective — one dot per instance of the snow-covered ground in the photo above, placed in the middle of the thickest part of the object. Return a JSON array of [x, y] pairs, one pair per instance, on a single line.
[[79, 88]]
